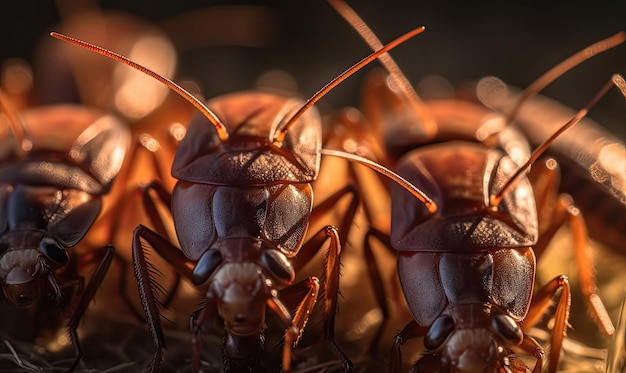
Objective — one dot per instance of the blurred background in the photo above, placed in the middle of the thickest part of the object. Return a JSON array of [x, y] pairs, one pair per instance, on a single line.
[[514, 41], [223, 47]]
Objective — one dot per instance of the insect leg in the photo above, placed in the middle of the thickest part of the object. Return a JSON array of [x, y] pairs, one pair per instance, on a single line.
[[531, 346], [411, 330], [377, 283], [197, 320], [85, 299], [148, 288], [348, 217], [562, 210], [544, 299], [330, 281], [157, 222], [127, 197], [295, 327], [122, 264]]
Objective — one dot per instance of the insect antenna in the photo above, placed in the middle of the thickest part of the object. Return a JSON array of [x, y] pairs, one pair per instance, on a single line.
[[280, 136], [616, 80], [17, 128], [410, 95], [420, 195], [563, 67], [217, 123]]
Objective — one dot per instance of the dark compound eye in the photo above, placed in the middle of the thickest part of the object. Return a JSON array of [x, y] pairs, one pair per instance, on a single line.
[[53, 251], [507, 328], [438, 332], [3, 247], [279, 265], [205, 266]]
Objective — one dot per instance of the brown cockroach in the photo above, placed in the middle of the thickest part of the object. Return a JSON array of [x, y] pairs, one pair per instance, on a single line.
[[591, 161], [466, 257], [241, 209], [56, 164]]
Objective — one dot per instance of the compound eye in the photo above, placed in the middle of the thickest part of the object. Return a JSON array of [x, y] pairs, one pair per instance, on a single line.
[[506, 327], [53, 251], [3, 247], [439, 332], [205, 267], [277, 263]]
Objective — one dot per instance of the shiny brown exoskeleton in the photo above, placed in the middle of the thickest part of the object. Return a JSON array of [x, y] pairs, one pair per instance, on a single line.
[[468, 271], [466, 259], [241, 209], [54, 170]]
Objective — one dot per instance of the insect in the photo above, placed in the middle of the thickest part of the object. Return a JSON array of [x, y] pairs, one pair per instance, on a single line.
[[466, 258], [55, 166], [466, 323], [241, 209], [590, 159]]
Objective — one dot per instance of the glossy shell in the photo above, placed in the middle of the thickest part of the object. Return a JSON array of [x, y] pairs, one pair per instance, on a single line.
[[460, 177], [55, 186], [65, 215], [433, 281], [72, 147], [249, 157], [277, 215]]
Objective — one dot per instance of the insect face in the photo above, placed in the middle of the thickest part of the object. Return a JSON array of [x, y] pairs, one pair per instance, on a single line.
[[23, 277], [240, 290]]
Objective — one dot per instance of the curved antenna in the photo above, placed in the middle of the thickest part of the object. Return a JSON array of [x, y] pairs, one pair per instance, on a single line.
[[616, 80], [366, 33], [217, 123], [21, 136], [427, 201], [280, 136], [563, 67]]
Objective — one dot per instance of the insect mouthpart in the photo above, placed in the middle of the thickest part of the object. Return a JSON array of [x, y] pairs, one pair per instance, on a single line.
[[241, 301], [471, 350], [20, 281]]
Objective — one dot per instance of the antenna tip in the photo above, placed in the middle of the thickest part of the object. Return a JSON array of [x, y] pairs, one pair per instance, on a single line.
[[57, 35]]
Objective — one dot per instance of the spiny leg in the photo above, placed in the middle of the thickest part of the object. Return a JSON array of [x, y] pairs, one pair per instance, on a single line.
[[148, 288], [122, 264], [112, 218], [294, 327], [85, 299], [157, 222], [330, 284]]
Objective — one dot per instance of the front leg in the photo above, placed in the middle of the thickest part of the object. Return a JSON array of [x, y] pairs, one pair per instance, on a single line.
[[197, 324], [294, 327], [85, 299], [330, 284], [541, 302], [149, 288], [411, 330]]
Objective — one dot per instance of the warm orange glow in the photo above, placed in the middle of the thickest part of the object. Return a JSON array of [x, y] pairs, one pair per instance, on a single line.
[[17, 76], [139, 94]]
